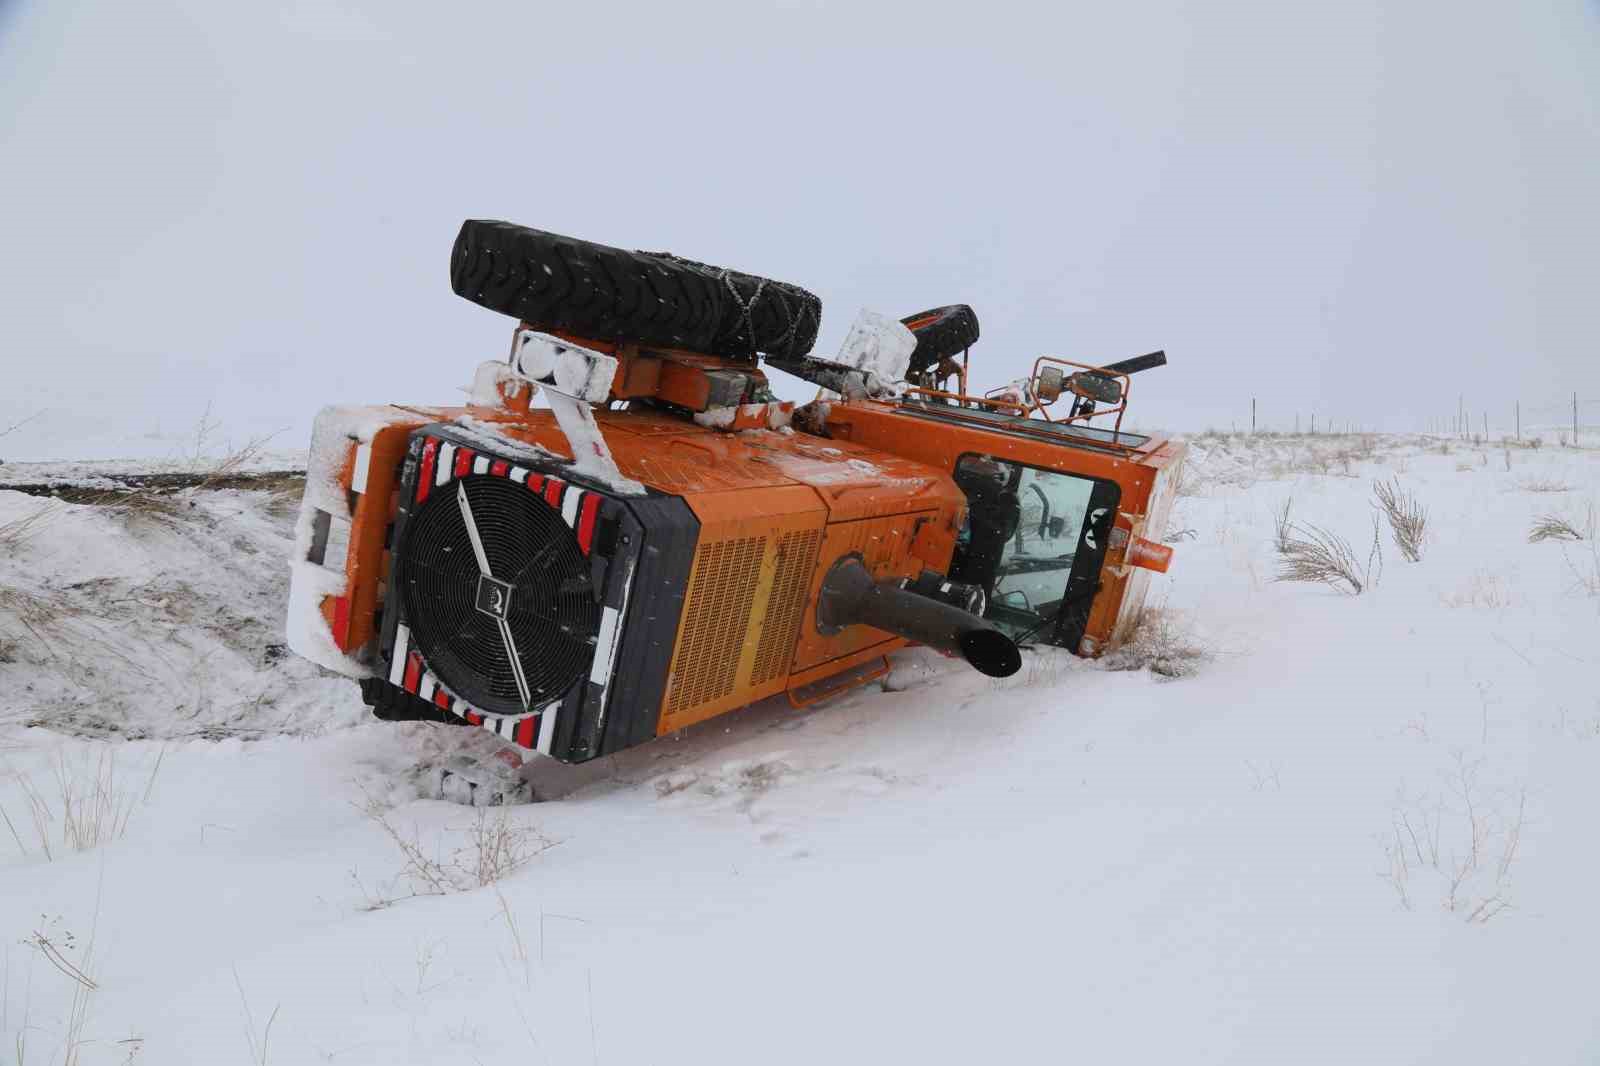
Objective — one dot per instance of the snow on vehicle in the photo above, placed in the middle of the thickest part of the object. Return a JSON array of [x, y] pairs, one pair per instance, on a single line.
[[666, 542]]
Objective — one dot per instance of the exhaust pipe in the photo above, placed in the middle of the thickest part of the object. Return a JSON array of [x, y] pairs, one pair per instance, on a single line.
[[849, 596]]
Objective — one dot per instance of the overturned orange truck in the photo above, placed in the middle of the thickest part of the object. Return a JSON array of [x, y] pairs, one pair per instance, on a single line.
[[624, 532]]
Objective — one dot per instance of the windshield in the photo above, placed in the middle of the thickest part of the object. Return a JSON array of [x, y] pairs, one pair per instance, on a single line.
[[1022, 538]]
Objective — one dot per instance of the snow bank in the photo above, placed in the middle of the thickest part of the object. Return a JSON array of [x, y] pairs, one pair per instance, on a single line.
[[1073, 851], [163, 620]]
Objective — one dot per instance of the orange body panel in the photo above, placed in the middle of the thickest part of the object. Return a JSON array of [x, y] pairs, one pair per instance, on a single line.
[[368, 561], [1146, 475], [884, 545], [776, 510]]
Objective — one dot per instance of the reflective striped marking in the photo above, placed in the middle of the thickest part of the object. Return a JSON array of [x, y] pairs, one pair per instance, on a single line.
[[447, 462], [518, 474], [358, 472], [430, 451], [591, 510], [547, 727], [569, 507], [428, 687], [605, 646], [402, 644], [480, 465]]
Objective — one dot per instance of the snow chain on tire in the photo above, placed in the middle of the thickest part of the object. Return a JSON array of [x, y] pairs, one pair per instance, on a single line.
[[762, 315]]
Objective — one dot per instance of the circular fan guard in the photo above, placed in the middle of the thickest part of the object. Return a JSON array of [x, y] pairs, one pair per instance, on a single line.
[[553, 615]]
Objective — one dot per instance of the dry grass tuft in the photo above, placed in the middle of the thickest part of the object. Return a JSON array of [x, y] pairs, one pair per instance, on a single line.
[[1560, 527], [1553, 527], [285, 501], [18, 531], [1164, 644], [1283, 528], [495, 846], [1408, 519], [86, 807], [170, 506], [149, 507], [34, 613], [1465, 839], [1544, 485], [1311, 553]]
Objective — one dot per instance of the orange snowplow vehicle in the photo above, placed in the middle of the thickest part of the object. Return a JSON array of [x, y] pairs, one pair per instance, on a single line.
[[624, 532]]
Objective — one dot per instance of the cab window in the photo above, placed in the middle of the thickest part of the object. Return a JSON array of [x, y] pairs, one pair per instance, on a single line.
[[1025, 532]]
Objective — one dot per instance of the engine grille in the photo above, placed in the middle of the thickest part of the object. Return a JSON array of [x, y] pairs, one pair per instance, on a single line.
[[716, 616], [797, 557], [553, 614]]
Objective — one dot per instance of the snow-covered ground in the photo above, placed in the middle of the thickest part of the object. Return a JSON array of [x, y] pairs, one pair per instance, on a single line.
[[1361, 829]]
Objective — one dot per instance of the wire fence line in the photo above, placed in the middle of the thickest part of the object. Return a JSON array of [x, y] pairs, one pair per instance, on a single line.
[[1572, 420]]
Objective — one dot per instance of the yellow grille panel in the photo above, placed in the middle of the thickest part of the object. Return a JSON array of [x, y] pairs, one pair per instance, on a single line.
[[797, 555], [716, 615]]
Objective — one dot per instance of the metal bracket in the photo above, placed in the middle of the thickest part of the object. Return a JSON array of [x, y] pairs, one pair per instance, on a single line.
[[574, 377]]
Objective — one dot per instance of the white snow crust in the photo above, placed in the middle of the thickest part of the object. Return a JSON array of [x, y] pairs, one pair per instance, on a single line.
[[494, 382], [490, 437], [880, 345], [778, 416], [1077, 862], [716, 417]]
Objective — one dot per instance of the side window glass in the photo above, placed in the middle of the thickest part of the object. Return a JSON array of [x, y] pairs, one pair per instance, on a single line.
[[1022, 536], [1053, 508]]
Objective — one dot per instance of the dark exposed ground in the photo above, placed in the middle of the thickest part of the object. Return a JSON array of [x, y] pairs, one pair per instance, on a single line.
[[112, 486]]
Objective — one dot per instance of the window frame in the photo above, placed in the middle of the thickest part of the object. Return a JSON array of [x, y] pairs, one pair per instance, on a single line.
[[1088, 559]]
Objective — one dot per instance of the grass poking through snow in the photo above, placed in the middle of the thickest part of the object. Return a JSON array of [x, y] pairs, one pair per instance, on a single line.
[[1312, 553], [1408, 519], [494, 847], [84, 805], [1164, 644]]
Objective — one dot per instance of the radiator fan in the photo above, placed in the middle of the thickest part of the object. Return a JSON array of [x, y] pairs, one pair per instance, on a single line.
[[498, 594]]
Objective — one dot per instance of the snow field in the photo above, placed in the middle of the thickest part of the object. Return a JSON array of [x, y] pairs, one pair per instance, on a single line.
[[1358, 828]]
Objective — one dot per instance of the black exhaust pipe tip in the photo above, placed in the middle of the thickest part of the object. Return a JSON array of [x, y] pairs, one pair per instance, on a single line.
[[990, 652]]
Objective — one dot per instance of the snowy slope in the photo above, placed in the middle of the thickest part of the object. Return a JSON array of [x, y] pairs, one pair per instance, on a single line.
[[1077, 864]]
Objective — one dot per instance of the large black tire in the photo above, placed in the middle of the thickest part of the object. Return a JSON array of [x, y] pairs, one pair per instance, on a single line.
[[592, 290], [941, 333]]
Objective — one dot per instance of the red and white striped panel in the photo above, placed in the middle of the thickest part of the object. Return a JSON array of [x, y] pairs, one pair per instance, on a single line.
[[534, 730], [443, 462]]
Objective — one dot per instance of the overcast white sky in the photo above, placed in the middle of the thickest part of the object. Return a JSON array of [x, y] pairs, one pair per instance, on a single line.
[[1357, 207]]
